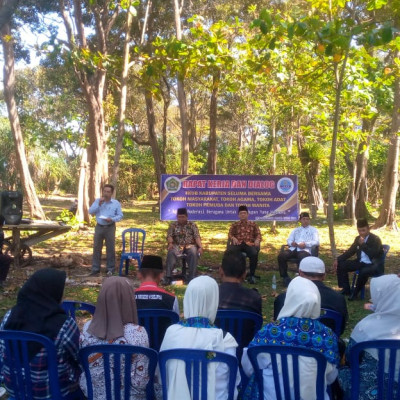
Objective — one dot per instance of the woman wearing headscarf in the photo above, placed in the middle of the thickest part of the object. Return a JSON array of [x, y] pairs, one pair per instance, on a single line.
[[296, 326], [38, 310], [115, 321], [383, 324], [197, 331]]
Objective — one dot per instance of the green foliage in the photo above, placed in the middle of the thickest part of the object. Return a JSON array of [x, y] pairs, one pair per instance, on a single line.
[[68, 218]]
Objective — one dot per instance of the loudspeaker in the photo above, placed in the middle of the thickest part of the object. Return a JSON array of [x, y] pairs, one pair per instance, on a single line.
[[11, 207]]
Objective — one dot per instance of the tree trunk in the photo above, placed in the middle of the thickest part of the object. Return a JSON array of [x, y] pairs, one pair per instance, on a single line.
[[82, 212], [151, 121], [122, 103], [182, 99], [387, 215], [339, 75], [311, 170], [212, 149], [92, 82], [35, 209], [192, 123]]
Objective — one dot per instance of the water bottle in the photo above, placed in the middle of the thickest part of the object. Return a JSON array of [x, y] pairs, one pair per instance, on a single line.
[[274, 283]]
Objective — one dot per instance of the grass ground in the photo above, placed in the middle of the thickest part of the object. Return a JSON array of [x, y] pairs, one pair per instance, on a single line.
[[72, 252]]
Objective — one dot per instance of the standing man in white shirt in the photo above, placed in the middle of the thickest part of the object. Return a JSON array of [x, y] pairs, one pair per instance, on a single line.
[[300, 242], [107, 211]]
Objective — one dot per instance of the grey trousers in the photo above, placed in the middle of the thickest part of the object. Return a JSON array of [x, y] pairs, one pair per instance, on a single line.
[[191, 260], [104, 233]]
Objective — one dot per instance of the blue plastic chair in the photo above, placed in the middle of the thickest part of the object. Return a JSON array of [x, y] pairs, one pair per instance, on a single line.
[[242, 325], [156, 322], [388, 352], [116, 372], [284, 352], [16, 362], [386, 249], [71, 306], [132, 247], [332, 315], [196, 362]]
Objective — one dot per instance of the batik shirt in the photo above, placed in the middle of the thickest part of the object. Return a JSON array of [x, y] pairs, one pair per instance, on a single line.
[[183, 234], [245, 231]]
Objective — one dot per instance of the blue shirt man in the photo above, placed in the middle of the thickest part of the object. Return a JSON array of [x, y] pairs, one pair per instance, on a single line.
[[107, 211]]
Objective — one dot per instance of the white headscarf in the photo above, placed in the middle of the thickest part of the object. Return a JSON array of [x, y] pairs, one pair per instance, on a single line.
[[201, 300], [384, 323], [302, 300]]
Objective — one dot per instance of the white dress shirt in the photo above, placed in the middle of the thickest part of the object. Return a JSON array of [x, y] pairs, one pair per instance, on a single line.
[[308, 235]]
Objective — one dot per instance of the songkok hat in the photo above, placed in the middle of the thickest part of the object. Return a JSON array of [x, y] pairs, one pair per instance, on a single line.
[[312, 265], [182, 211], [243, 208], [152, 262], [362, 223], [304, 214]]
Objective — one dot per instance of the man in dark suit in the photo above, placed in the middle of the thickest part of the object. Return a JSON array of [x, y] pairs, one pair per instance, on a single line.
[[313, 268], [369, 262]]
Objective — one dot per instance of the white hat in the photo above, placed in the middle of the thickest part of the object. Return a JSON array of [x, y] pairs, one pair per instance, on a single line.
[[312, 265]]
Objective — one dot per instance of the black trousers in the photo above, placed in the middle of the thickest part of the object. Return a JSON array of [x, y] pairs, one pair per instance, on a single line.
[[365, 271], [286, 255], [251, 253]]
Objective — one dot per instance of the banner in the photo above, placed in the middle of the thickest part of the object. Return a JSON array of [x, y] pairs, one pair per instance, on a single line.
[[217, 197]]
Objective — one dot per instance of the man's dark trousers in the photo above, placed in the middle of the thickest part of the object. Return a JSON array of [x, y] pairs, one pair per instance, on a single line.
[[251, 253]]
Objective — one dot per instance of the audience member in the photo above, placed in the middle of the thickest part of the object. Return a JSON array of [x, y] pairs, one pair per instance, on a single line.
[[232, 294], [183, 238], [297, 320], [245, 236], [368, 249], [115, 321], [313, 268], [300, 242], [38, 310], [149, 294], [197, 331], [383, 324]]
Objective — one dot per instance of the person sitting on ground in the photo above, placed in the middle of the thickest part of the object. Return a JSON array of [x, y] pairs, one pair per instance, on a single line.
[[183, 238], [298, 320], [233, 295], [39, 310], [245, 236], [197, 331], [300, 241], [383, 324], [369, 251], [313, 268], [149, 294], [115, 321]]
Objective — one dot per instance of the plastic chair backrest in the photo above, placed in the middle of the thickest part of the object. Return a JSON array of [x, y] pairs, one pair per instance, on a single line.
[[71, 306], [332, 315], [285, 352], [116, 371], [196, 362], [156, 322], [16, 360], [388, 352], [131, 242], [242, 325]]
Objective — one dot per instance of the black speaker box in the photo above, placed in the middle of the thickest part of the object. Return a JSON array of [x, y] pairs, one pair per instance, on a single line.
[[11, 207]]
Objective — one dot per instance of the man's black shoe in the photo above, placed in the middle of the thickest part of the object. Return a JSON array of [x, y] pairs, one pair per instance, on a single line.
[[252, 280], [345, 292], [353, 297], [94, 273]]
